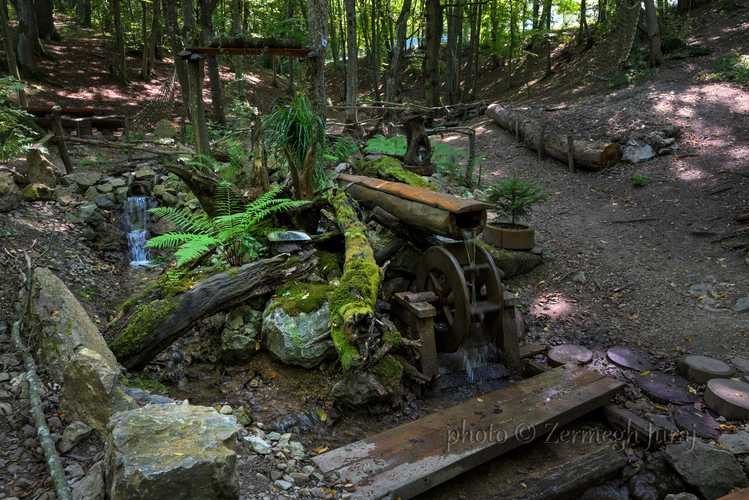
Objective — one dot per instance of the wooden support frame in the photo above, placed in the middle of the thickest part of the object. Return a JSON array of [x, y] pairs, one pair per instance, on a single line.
[[417, 316]]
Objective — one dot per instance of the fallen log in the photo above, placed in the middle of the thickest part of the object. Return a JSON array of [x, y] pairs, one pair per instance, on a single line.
[[588, 155], [205, 188], [352, 304], [150, 329]]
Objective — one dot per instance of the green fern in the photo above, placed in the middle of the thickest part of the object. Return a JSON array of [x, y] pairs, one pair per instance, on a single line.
[[234, 232]]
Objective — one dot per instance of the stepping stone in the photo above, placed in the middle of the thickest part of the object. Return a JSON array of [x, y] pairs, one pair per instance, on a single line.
[[728, 398], [695, 422], [635, 358], [700, 369], [569, 353], [664, 388], [741, 363]]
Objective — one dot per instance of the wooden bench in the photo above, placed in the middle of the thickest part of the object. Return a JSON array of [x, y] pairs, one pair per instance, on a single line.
[[419, 455]]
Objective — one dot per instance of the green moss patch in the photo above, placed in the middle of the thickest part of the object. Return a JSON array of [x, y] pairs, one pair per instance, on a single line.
[[328, 264], [129, 341], [390, 169], [388, 372], [296, 298]]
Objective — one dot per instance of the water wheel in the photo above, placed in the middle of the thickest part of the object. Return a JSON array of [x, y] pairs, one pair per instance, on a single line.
[[465, 293]]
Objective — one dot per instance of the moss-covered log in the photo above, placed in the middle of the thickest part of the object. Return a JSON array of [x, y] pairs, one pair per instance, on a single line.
[[390, 169], [353, 302], [151, 328]]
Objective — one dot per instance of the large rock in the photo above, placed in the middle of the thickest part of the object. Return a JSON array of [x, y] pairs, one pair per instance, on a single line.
[[286, 336], [237, 348], [92, 486], [172, 451], [63, 327], [711, 471], [11, 195], [637, 152], [91, 391], [111, 238], [85, 179], [359, 389], [40, 170]]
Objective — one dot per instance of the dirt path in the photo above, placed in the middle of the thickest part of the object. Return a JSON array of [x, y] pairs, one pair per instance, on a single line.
[[638, 274]]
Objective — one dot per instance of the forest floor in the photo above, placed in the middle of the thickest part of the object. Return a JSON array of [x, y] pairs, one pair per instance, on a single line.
[[638, 274]]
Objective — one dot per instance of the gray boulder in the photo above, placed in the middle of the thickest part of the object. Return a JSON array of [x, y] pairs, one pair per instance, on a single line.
[[164, 128], [38, 192], [286, 337], [237, 348], [73, 435], [92, 486], [11, 195], [637, 152], [91, 391], [359, 389], [85, 179], [177, 452], [711, 471], [40, 170], [64, 195], [111, 238], [63, 327]]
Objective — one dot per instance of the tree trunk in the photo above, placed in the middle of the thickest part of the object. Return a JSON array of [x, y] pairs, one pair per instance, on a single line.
[[188, 23], [144, 35], [11, 55], [119, 66], [584, 30], [155, 25], [418, 148], [476, 61], [217, 101], [236, 28], [197, 107], [352, 78], [654, 35], [397, 53], [431, 59], [175, 40], [536, 8], [589, 155], [547, 39], [375, 59], [314, 68], [28, 36], [144, 334], [473, 52], [452, 60], [494, 18], [45, 20], [334, 46]]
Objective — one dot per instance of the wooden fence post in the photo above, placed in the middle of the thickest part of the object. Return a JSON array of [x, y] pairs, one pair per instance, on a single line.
[[60, 132], [541, 143], [197, 108], [571, 153]]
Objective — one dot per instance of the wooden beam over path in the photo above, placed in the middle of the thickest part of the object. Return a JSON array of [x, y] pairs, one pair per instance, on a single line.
[[414, 457]]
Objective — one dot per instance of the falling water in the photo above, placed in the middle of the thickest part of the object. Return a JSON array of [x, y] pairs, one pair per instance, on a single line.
[[477, 350], [135, 214]]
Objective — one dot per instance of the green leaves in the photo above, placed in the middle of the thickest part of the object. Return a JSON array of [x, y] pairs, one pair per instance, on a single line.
[[234, 233]]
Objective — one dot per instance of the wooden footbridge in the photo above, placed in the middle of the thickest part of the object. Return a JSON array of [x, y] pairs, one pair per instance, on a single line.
[[414, 457]]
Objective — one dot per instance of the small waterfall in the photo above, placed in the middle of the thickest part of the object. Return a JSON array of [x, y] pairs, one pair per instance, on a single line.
[[135, 214]]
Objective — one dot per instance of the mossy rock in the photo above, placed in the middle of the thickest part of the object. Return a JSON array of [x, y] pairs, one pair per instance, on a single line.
[[296, 298], [390, 169], [511, 263]]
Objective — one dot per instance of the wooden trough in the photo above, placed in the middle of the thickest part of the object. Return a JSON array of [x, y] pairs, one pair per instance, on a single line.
[[430, 211], [414, 457]]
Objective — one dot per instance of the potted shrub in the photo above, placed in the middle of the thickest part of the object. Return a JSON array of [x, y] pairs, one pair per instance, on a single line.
[[513, 198]]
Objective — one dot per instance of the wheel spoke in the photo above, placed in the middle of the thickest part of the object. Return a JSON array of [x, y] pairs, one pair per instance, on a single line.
[[448, 315]]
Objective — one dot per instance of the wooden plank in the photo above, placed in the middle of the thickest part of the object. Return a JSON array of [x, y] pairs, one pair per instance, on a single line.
[[636, 427], [510, 299], [414, 457], [529, 350], [418, 309], [570, 480]]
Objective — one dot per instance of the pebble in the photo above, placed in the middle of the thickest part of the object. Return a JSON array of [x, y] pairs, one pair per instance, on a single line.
[[284, 485]]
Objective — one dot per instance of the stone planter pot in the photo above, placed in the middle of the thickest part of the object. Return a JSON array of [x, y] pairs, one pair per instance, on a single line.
[[509, 236]]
